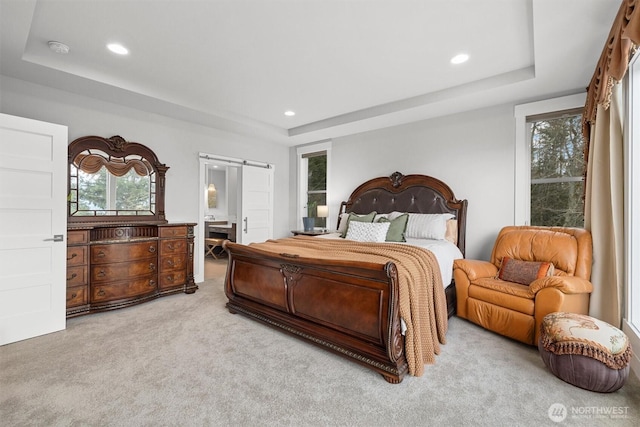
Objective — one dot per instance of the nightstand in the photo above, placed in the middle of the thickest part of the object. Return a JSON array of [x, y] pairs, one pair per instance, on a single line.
[[309, 233]]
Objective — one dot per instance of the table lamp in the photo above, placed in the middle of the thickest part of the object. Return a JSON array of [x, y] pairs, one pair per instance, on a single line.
[[323, 212]]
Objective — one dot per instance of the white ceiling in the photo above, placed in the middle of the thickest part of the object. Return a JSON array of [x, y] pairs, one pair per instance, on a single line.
[[343, 66]]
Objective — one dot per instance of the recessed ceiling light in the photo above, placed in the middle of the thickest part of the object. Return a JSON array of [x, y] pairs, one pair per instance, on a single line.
[[289, 113], [460, 58], [117, 48], [58, 47]]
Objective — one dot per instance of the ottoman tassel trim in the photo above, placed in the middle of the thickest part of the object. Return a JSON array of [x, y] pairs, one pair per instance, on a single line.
[[617, 361]]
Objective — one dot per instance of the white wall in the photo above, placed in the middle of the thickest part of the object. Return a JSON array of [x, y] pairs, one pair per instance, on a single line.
[[176, 143], [472, 152]]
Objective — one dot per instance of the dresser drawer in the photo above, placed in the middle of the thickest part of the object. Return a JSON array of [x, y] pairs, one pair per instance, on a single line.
[[123, 289], [76, 255], [76, 276], [76, 296], [177, 246], [176, 262], [177, 231], [77, 237], [115, 271], [172, 279], [119, 252]]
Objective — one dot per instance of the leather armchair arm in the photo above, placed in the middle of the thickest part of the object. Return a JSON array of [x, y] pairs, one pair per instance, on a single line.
[[565, 284], [475, 269]]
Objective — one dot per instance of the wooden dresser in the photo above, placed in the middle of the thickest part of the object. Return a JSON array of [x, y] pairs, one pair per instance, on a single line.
[[118, 265]]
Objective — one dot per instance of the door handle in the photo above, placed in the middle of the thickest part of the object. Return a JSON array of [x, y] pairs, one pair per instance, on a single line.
[[246, 224], [56, 238]]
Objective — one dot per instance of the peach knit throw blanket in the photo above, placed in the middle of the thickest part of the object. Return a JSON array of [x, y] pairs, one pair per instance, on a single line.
[[422, 300]]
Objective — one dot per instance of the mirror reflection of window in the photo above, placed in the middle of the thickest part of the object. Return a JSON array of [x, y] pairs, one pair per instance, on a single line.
[[132, 192], [92, 190], [110, 186]]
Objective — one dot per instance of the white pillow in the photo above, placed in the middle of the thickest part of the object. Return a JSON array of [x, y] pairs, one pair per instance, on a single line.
[[427, 226], [342, 222], [378, 216], [367, 231], [395, 214]]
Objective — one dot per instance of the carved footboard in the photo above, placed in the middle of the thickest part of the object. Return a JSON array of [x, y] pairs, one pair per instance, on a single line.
[[350, 308]]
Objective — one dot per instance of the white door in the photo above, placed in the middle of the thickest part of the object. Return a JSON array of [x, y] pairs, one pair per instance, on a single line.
[[33, 187], [257, 204]]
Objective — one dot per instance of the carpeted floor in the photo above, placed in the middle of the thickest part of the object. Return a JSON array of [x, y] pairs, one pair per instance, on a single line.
[[185, 360]]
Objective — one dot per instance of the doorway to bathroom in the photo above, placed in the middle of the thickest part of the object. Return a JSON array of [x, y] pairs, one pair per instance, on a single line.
[[236, 205]]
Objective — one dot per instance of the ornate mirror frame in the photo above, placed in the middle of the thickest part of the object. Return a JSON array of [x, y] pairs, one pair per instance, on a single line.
[[116, 151]]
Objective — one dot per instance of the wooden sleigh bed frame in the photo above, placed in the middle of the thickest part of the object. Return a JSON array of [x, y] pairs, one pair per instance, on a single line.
[[287, 291]]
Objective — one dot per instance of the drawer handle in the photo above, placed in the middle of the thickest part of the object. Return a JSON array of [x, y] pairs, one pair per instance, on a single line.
[[170, 246], [152, 249], [170, 262], [101, 273], [73, 255], [100, 254], [73, 295], [152, 267], [152, 283], [73, 276], [101, 293], [170, 278]]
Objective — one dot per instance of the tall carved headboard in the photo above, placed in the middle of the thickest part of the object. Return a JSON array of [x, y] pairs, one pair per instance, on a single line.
[[408, 193]]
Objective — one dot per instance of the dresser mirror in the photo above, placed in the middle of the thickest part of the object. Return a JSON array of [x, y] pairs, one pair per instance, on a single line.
[[112, 180]]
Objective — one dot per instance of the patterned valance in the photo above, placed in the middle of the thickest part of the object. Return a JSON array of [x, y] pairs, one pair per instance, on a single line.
[[92, 163], [623, 39]]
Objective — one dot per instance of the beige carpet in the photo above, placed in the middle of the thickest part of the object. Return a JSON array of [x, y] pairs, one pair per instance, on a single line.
[[185, 360]]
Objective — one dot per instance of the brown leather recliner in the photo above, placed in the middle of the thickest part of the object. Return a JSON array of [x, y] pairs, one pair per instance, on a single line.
[[516, 310]]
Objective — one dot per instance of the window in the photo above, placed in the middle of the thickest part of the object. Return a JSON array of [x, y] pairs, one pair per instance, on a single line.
[[632, 200], [313, 166], [557, 167], [316, 186], [549, 162]]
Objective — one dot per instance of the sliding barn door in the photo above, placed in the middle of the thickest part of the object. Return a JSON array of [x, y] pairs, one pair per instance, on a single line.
[[257, 204], [33, 226]]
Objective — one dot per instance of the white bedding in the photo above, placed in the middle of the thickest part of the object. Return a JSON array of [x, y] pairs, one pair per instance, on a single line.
[[444, 251]]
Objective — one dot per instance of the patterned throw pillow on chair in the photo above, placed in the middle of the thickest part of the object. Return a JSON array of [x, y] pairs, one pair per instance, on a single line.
[[523, 272]]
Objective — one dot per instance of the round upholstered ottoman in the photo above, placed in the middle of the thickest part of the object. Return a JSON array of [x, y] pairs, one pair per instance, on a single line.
[[585, 351]]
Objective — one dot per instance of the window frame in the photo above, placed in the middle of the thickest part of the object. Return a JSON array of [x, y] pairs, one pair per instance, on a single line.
[[301, 151], [632, 200], [522, 161]]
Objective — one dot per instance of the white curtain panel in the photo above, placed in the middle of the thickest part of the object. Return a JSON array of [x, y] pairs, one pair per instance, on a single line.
[[604, 210]]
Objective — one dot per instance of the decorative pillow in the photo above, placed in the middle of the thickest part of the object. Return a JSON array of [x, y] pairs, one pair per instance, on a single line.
[[367, 231], [342, 222], [395, 214], [378, 216], [355, 217], [523, 272], [427, 226], [451, 233], [396, 228]]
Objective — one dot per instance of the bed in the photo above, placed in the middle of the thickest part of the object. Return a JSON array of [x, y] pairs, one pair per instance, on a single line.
[[347, 299]]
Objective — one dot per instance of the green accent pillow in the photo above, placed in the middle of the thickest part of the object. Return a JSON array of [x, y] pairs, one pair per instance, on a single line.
[[358, 218], [396, 228]]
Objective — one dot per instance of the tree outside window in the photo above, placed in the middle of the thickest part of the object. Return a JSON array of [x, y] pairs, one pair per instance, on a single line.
[[317, 187], [557, 167]]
